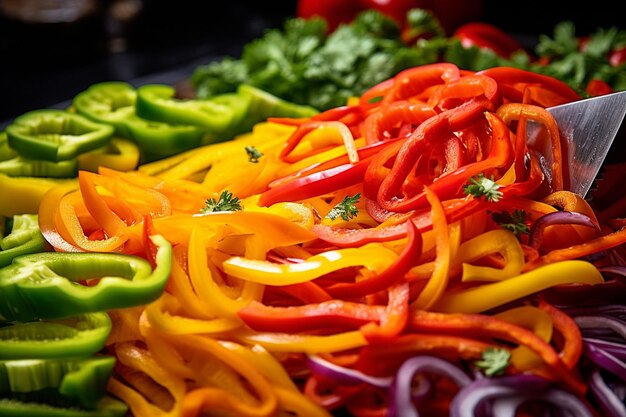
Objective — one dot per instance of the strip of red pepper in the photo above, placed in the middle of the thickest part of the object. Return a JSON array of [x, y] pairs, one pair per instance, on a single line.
[[569, 330], [334, 314], [449, 185], [489, 326], [545, 91], [390, 276]]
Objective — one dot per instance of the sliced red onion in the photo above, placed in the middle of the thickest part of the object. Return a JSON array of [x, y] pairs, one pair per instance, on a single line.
[[606, 361], [400, 392], [616, 349], [560, 217], [567, 403], [509, 392], [602, 322], [466, 401], [611, 405], [608, 309], [614, 269], [343, 375], [421, 388], [506, 406]]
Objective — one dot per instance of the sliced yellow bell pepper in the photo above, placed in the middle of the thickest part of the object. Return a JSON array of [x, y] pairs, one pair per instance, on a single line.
[[485, 297], [373, 256], [499, 241], [25, 193]]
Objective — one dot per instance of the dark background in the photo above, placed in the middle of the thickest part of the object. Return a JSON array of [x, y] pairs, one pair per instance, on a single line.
[[140, 41]]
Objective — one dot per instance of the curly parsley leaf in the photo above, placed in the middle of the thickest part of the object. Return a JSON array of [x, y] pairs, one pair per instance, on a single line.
[[253, 154], [481, 186], [226, 202], [514, 222], [494, 361], [346, 209]]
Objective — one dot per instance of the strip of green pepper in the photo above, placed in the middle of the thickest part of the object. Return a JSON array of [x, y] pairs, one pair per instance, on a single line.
[[68, 382], [113, 103], [77, 336], [223, 116], [157, 102], [23, 239], [106, 407], [5, 150], [47, 285], [24, 167], [55, 135]]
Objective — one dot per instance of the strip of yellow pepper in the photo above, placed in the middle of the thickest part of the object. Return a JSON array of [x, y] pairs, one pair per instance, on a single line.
[[119, 154], [286, 342], [499, 241], [22, 195], [373, 256], [485, 297], [534, 319]]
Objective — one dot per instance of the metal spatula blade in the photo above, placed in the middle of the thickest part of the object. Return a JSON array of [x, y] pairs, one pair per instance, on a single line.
[[589, 127]]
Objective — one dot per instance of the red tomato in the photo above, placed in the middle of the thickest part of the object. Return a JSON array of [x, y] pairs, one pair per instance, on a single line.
[[451, 13], [485, 35], [618, 56], [334, 11], [597, 87]]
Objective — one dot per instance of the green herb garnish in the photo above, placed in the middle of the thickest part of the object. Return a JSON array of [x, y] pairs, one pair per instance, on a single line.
[[494, 361], [253, 154], [514, 222], [481, 186], [226, 202], [346, 209]]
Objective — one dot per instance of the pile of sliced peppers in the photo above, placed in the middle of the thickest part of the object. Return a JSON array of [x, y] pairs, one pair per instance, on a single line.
[[54, 321], [405, 254]]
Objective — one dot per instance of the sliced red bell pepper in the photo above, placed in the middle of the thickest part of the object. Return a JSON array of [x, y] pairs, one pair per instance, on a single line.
[[547, 91], [395, 273], [316, 184], [391, 195], [488, 326], [334, 314]]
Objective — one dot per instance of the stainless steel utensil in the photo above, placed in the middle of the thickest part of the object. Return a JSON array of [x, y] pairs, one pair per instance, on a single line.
[[589, 127]]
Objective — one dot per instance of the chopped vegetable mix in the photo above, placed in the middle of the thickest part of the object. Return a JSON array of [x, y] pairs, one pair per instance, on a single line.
[[341, 223]]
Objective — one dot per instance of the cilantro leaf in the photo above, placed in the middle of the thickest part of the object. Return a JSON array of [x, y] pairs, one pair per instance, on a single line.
[[481, 186], [253, 154], [346, 209], [226, 202], [494, 361], [514, 222]]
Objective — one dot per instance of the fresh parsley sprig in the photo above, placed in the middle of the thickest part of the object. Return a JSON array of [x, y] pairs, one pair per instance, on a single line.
[[481, 186], [226, 202], [346, 209], [494, 361], [514, 222], [253, 154]]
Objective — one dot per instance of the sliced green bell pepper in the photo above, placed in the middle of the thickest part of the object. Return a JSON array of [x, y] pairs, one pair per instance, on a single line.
[[55, 135], [77, 336], [223, 116], [106, 407], [24, 167], [157, 102], [24, 238], [5, 150], [113, 103], [14, 165], [70, 382], [47, 285]]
